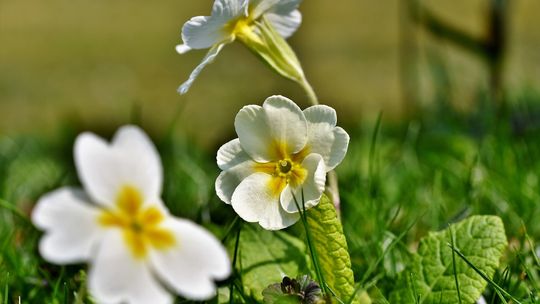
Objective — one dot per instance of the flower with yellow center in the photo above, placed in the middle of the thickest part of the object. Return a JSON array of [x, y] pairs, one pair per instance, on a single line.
[[261, 25], [281, 154], [118, 224]]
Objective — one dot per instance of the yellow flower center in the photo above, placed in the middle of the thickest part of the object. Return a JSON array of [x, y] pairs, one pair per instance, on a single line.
[[140, 226], [242, 28], [286, 170]]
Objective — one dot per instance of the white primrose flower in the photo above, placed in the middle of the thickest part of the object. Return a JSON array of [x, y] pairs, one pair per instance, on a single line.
[[256, 23], [137, 251], [281, 153]]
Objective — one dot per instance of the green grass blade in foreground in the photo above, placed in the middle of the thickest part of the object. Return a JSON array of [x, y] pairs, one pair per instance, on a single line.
[[481, 239], [331, 245], [12, 208], [498, 288], [452, 236], [235, 257]]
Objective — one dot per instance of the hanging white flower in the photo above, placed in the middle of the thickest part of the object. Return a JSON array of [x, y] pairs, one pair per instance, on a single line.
[[281, 153], [260, 24], [120, 226]]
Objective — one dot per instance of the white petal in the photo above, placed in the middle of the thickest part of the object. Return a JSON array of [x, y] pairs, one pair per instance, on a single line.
[[236, 164], [117, 277], [280, 7], [209, 58], [182, 49], [482, 300], [191, 267], [284, 7], [312, 188], [202, 32], [231, 154], [282, 14], [230, 8], [279, 121], [254, 202], [325, 138], [130, 160], [321, 114], [260, 7], [133, 140], [285, 25], [253, 132], [70, 224], [228, 181], [287, 122]]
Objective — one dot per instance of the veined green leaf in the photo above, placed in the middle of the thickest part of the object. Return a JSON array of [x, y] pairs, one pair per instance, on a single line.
[[482, 241], [331, 246], [265, 257]]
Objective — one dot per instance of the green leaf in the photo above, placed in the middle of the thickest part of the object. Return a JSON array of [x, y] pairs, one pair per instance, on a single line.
[[274, 295], [331, 246], [264, 257], [482, 241]]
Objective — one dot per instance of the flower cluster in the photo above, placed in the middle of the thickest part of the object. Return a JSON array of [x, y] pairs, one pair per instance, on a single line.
[[119, 225], [279, 160]]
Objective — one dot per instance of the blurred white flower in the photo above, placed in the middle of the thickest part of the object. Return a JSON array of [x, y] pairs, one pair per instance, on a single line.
[[245, 20], [280, 154], [122, 228], [482, 300]]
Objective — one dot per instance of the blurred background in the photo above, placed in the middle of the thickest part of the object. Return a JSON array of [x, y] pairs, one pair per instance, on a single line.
[[102, 63]]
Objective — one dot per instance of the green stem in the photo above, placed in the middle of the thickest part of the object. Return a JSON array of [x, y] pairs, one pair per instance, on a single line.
[[309, 91], [312, 249], [333, 187], [235, 255]]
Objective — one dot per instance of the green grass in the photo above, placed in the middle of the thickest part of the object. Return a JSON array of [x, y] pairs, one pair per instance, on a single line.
[[398, 181]]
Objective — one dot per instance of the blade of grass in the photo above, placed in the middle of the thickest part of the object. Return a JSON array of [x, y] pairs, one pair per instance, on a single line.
[[8, 206], [335, 297], [6, 293], [312, 250], [373, 266], [454, 264], [229, 229], [498, 288], [371, 157], [235, 256]]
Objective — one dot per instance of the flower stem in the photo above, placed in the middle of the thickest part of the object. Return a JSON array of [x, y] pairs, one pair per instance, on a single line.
[[313, 99], [333, 187]]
